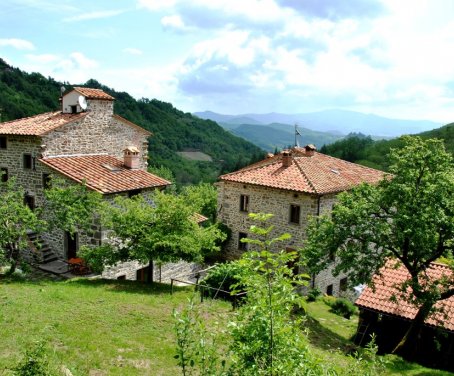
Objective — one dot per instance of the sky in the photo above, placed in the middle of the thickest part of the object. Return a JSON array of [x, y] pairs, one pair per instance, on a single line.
[[393, 58]]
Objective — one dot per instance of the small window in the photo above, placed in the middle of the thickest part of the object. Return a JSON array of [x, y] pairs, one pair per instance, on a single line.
[[2, 142], [244, 203], [329, 290], [242, 246], [29, 201], [343, 283], [4, 174], [295, 214], [47, 181], [28, 161], [134, 192]]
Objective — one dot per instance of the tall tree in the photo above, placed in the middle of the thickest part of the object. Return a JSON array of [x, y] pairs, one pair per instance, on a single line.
[[164, 231], [16, 219], [409, 217]]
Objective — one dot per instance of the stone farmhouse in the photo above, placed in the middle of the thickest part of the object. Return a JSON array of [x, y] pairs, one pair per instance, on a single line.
[[293, 186], [84, 142]]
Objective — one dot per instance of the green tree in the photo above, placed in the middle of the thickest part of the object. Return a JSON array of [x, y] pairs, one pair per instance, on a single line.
[[203, 197], [164, 231], [16, 219], [408, 216]]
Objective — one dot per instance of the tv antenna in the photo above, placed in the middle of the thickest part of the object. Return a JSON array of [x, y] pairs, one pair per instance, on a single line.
[[297, 133]]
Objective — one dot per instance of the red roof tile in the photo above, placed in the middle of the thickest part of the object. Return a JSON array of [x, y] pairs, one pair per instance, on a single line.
[[380, 300], [316, 174], [103, 173], [38, 125], [199, 218], [93, 93]]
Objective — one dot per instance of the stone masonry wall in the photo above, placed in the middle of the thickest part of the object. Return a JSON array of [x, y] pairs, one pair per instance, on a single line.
[[96, 133], [277, 202]]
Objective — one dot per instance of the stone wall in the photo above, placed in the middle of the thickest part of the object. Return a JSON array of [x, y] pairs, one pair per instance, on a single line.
[[277, 202], [96, 133]]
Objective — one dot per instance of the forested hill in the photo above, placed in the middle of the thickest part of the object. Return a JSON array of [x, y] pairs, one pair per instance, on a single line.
[[363, 150], [26, 94]]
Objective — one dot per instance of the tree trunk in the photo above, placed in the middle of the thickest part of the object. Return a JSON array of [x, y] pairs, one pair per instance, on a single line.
[[150, 272], [408, 345]]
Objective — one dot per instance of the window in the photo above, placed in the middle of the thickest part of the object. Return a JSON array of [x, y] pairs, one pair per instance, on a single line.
[[29, 201], [47, 181], [242, 246], [343, 283], [74, 109], [295, 214], [28, 161], [244, 203], [2, 142], [4, 174], [329, 290]]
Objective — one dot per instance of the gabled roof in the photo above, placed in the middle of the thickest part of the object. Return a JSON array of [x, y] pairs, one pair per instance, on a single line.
[[103, 173], [380, 299], [39, 125], [92, 93], [309, 172]]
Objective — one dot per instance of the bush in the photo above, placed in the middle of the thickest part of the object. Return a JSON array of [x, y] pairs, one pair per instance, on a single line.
[[224, 277], [313, 294], [343, 307], [329, 300], [34, 363]]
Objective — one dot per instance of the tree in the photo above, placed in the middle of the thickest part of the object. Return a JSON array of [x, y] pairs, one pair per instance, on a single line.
[[203, 197], [164, 231], [16, 219], [408, 216]]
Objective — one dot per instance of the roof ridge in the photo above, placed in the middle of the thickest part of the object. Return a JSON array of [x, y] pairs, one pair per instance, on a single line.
[[263, 162], [28, 117], [304, 174]]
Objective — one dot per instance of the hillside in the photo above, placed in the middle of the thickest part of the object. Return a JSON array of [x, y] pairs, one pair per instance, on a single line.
[[365, 151], [26, 94], [339, 122]]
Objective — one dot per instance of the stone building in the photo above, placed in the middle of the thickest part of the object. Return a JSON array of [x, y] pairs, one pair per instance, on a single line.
[[293, 186], [84, 142]]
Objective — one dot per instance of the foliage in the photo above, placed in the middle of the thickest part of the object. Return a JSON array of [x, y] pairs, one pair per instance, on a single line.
[[313, 294], [203, 198], [164, 231], [407, 217], [71, 207], [16, 219], [25, 94], [196, 348], [343, 307], [225, 276], [368, 363], [34, 363]]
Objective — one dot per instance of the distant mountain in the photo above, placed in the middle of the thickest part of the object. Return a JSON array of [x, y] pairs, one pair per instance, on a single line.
[[280, 136], [340, 122], [26, 94]]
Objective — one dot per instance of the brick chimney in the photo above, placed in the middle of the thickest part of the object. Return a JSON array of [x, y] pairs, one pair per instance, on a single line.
[[286, 158], [310, 150], [131, 157]]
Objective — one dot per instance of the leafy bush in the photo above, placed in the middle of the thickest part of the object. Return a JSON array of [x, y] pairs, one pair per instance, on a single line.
[[329, 300], [223, 277], [34, 363], [343, 307], [313, 294]]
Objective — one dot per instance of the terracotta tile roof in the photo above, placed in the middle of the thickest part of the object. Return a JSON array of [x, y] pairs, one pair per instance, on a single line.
[[199, 218], [316, 174], [93, 93], [384, 290], [103, 173], [38, 125]]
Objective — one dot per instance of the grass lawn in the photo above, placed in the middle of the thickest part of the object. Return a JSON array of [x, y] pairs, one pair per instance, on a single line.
[[330, 335], [95, 327]]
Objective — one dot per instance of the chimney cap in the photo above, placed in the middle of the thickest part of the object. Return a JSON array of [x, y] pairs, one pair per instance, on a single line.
[[131, 149], [310, 147]]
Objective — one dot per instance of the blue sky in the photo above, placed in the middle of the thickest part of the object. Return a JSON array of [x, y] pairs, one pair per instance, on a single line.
[[388, 57]]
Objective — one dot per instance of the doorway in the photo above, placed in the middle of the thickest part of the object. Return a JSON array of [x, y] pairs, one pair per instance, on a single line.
[[71, 245]]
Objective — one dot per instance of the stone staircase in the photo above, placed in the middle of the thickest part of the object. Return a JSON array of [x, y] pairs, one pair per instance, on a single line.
[[41, 250]]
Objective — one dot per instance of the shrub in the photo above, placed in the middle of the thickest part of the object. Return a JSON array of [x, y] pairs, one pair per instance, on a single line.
[[329, 300], [343, 307], [34, 363], [223, 277], [313, 294]]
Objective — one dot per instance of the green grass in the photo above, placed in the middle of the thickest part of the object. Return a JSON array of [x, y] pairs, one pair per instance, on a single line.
[[95, 327], [330, 338]]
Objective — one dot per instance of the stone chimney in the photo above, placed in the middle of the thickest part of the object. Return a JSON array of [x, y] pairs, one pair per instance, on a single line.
[[131, 157], [286, 158], [310, 150]]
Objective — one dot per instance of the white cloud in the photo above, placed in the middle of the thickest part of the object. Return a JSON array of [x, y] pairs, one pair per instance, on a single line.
[[132, 51], [19, 44], [155, 5], [93, 15], [43, 58], [174, 22]]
